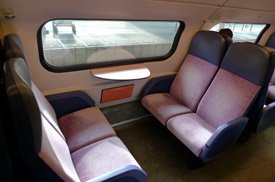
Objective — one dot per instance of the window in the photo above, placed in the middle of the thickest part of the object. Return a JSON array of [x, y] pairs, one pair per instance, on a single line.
[[67, 45], [242, 32]]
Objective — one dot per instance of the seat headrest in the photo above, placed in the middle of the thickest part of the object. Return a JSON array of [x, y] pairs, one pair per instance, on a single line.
[[13, 46], [19, 70], [247, 60], [209, 46], [271, 41]]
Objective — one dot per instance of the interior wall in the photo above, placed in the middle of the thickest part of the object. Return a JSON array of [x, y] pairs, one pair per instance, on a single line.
[[28, 21], [31, 14]]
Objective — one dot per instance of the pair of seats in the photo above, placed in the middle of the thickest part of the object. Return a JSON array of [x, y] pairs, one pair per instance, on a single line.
[[79, 146], [207, 101]]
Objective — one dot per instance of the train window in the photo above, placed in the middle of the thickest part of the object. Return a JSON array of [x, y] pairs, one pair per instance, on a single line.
[[242, 32], [67, 45]]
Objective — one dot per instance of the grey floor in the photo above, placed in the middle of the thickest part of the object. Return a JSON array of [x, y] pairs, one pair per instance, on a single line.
[[164, 158]]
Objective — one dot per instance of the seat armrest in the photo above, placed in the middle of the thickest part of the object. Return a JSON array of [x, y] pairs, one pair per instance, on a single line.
[[266, 118], [69, 102], [127, 173], [158, 85], [223, 138]]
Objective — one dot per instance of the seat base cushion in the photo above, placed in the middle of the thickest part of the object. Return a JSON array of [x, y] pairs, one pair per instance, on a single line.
[[163, 106], [84, 127], [191, 130], [102, 157]]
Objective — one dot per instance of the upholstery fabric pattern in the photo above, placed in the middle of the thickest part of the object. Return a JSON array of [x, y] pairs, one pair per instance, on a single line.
[[163, 106], [192, 80], [55, 153], [84, 127], [101, 157], [272, 81], [46, 109], [227, 98], [271, 92], [191, 130]]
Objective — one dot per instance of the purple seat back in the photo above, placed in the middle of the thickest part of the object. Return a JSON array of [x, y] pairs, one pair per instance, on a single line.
[[236, 85], [271, 41], [198, 69]]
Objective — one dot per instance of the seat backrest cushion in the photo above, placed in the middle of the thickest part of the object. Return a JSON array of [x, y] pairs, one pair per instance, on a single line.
[[55, 152], [198, 69], [36, 135], [13, 46], [272, 81], [271, 41], [237, 83], [46, 108]]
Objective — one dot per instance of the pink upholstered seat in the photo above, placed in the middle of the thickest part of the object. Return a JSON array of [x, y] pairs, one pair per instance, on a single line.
[[55, 153], [218, 120], [271, 87], [84, 127], [271, 92], [193, 78], [191, 130], [101, 157], [46, 145], [226, 99], [163, 106]]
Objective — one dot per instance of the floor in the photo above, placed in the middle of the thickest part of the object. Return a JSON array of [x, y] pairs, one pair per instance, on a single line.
[[164, 158]]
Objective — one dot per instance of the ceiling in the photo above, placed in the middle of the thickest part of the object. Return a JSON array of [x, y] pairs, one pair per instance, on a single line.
[[186, 10]]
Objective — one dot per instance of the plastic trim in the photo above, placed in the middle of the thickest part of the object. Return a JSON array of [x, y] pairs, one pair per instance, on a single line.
[[124, 174], [69, 102], [223, 138], [158, 85]]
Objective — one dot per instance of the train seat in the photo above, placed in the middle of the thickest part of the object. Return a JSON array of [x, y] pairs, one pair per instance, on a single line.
[[219, 119], [194, 76], [80, 146]]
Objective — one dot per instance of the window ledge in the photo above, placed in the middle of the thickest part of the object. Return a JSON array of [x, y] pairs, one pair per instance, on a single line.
[[126, 72]]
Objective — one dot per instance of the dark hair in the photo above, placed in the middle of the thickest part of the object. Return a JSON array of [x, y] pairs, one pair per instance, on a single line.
[[226, 31]]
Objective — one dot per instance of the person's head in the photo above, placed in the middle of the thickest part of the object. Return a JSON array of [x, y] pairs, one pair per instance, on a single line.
[[226, 31]]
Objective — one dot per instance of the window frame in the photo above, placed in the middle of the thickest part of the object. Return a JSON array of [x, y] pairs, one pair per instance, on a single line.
[[88, 66]]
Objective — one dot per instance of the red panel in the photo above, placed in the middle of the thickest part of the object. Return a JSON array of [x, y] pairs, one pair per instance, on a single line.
[[117, 93]]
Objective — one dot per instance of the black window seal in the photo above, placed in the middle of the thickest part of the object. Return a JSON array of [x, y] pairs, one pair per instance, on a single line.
[[79, 67]]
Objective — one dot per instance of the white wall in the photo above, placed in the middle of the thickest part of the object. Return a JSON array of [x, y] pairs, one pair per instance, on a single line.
[[30, 14]]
